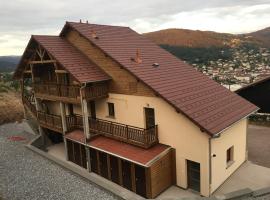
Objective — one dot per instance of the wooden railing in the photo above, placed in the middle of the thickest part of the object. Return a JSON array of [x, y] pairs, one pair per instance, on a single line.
[[137, 136], [29, 102], [71, 91], [74, 122], [53, 89], [50, 121], [96, 91]]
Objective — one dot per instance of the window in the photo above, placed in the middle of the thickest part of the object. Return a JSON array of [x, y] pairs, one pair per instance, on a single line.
[[111, 110], [149, 117], [229, 156]]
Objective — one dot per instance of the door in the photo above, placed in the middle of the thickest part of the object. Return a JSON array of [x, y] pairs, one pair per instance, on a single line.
[[93, 109], [140, 180], [83, 156], [126, 174], [70, 151], [194, 174], [93, 160], [149, 117], [77, 153], [114, 169], [103, 164]]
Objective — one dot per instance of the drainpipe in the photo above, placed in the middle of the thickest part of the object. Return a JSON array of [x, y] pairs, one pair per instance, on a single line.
[[210, 159], [84, 113]]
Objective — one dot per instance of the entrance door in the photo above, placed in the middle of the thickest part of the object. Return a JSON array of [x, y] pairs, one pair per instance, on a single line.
[[126, 174], [140, 180], [193, 171], [77, 153], [93, 160], [114, 169], [93, 109], [103, 164], [149, 117], [70, 151]]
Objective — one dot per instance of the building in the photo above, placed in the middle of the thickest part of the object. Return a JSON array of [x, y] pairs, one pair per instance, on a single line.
[[258, 94], [132, 112]]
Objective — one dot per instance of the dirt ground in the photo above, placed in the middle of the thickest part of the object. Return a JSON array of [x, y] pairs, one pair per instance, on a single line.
[[259, 145], [11, 108]]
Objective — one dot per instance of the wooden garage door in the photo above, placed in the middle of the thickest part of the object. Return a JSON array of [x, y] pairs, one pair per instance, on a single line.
[[193, 169], [76, 153], [103, 164], [114, 169], [140, 180], [126, 174], [93, 160]]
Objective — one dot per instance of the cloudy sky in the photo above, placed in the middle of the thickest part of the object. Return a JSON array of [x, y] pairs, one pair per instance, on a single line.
[[21, 18]]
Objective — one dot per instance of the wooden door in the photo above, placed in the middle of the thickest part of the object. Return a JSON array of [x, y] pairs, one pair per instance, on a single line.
[[193, 170], [126, 174], [83, 156], [140, 180], [77, 153], [70, 151], [103, 164], [149, 117], [93, 160], [93, 109], [114, 169]]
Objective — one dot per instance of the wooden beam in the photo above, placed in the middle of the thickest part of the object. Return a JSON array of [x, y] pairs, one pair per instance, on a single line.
[[27, 71], [41, 61], [59, 71]]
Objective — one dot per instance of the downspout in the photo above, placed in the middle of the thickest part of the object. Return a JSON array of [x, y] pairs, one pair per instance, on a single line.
[[81, 96], [210, 159]]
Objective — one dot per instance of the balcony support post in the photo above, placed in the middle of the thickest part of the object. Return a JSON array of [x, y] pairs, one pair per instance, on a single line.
[[63, 117], [85, 118]]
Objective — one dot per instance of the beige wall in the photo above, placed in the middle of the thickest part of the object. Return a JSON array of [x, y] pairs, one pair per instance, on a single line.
[[173, 129], [236, 137]]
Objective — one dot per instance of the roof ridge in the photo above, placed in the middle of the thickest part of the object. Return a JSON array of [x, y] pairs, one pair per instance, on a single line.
[[69, 22]]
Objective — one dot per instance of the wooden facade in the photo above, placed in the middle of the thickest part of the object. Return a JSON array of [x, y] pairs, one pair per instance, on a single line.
[[146, 181], [122, 81]]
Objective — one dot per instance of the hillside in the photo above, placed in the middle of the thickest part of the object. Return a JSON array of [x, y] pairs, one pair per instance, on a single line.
[[8, 63], [206, 39]]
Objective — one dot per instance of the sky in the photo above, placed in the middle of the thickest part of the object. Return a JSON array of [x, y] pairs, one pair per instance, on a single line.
[[19, 19]]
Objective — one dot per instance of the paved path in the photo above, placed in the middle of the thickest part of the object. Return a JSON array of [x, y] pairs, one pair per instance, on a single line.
[[26, 175], [259, 145]]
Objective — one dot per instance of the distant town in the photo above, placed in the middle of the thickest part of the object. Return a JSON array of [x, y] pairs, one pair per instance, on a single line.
[[246, 66]]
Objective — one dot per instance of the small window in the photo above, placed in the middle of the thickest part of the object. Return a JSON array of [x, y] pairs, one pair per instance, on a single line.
[[229, 156], [111, 110]]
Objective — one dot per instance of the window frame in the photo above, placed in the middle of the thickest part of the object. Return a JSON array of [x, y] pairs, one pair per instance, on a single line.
[[229, 156], [111, 109]]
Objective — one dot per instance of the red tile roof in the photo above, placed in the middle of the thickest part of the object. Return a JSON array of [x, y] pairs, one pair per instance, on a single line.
[[80, 67], [120, 149], [208, 104], [127, 151]]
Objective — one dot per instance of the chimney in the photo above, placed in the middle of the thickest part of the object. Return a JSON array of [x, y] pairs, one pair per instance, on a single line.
[[86, 21], [94, 35], [138, 57], [80, 21]]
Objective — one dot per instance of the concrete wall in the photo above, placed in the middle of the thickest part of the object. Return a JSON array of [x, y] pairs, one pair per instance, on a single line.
[[236, 137], [173, 129]]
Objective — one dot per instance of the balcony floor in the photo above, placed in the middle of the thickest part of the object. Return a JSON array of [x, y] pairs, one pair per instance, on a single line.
[[126, 151]]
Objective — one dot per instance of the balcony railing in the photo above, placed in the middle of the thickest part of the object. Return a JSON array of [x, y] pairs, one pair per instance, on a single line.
[[53, 122], [96, 91], [74, 122], [52, 89], [28, 101], [71, 91], [133, 135]]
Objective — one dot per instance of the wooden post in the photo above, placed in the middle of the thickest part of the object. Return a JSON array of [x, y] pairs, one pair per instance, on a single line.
[[133, 178], [85, 114], [63, 117], [109, 167], [120, 172]]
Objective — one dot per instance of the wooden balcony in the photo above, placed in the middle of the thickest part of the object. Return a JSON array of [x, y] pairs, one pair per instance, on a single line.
[[53, 91], [69, 93], [29, 103], [74, 122], [53, 122], [133, 135]]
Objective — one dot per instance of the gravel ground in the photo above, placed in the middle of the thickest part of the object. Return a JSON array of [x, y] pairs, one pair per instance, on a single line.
[[26, 175], [259, 145]]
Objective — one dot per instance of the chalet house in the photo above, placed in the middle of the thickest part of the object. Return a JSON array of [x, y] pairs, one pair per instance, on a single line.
[[130, 111]]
